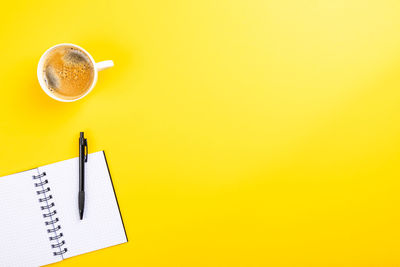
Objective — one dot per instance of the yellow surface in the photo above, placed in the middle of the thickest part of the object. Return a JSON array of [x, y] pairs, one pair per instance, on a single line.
[[238, 133]]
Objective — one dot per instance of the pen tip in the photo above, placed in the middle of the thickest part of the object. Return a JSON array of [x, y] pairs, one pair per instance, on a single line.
[[81, 214]]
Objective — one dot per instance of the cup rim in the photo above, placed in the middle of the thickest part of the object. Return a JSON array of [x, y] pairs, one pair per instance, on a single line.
[[40, 73]]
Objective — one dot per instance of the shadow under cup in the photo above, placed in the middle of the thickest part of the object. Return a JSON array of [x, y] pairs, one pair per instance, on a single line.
[[66, 72]]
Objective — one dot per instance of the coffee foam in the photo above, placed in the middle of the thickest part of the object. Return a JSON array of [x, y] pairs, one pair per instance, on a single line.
[[74, 56], [51, 78], [68, 72]]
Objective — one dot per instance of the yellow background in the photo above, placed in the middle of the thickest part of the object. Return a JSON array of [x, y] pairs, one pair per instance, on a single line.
[[238, 133]]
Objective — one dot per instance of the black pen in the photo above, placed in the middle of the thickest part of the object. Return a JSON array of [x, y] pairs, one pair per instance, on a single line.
[[83, 157]]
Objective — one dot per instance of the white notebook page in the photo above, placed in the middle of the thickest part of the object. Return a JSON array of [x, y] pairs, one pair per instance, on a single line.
[[24, 240], [102, 224]]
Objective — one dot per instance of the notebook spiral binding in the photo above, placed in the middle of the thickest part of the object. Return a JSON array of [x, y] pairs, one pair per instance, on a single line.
[[49, 214]]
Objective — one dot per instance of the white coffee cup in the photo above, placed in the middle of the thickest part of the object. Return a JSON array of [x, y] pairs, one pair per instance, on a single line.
[[97, 67]]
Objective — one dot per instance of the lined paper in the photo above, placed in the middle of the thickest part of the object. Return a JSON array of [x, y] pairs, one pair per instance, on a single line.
[[23, 236], [24, 239], [101, 225]]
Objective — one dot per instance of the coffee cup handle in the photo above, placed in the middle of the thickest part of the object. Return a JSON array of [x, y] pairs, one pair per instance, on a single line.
[[104, 65]]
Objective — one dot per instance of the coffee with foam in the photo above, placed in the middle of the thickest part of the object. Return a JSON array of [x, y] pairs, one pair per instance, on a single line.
[[68, 72]]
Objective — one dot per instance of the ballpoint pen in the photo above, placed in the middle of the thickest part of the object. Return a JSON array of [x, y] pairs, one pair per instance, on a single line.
[[83, 157]]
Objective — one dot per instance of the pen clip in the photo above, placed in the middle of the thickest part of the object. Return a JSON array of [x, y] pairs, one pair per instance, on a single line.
[[86, 149]]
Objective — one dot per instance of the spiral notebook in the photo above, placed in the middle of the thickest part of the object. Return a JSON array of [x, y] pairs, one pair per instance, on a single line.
[[39, 218]]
